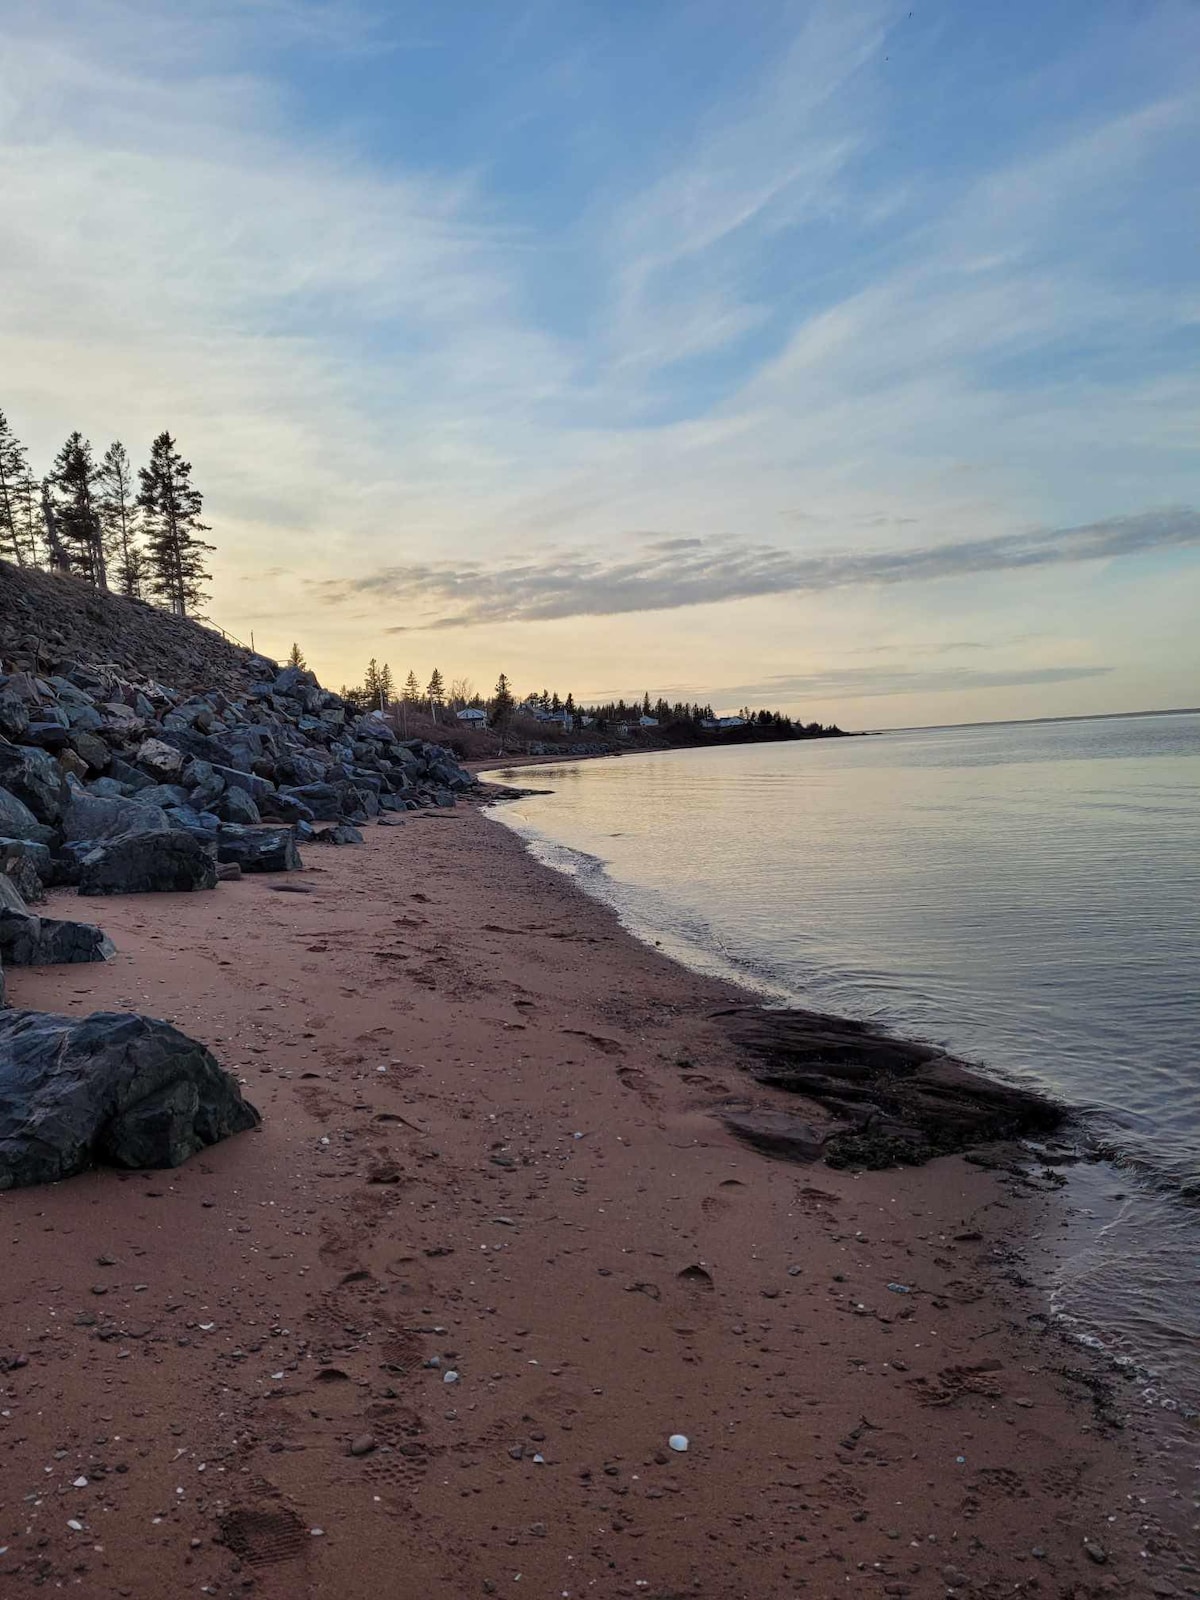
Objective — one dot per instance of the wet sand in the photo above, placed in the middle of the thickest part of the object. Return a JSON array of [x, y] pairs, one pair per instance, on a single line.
[[489, 1149]]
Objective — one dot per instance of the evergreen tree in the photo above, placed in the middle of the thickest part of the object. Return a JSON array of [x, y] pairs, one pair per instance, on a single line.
[[385, 688], [118, 510], [435, 692], [370, 684], [17, 497], [502, 703], [569, 705], [296, 658], [412, 689], [73, 480], [171, 515]]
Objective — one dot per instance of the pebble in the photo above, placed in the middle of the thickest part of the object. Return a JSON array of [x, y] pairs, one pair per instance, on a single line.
[[678, 1441], [449, 1377], [363, 1445], [1097, 1552]]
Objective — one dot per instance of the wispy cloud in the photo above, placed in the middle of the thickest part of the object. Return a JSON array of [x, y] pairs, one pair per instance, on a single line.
[[867, 683], [671, 572]]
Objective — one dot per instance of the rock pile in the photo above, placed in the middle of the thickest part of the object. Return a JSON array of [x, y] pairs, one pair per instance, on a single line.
[[115, 784], [124, 786]]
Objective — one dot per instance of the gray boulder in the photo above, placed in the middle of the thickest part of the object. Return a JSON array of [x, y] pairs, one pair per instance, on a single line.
[[285, 808], [258, 849], [322, 799], [91, 816], [340, 833], [236, 778], [235, 805], [14, 715], [171, 862], [27, 940], [111, 1088], [161, 761], [36, 778], [18, 822]]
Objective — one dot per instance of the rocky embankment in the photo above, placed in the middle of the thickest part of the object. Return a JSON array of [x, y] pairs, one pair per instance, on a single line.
[[114, 783]]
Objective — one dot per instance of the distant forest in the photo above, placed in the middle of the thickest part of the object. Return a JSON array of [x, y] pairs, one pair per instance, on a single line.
[[671, 721], [88, 517]]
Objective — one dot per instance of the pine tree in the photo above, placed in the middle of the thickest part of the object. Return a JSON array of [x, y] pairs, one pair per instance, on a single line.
[[370, 684], [502, 703], [412, 689], [73, 479], [16, 487], [171, 512], [435, 692], [118, 518], [386, 689], [296, 658]]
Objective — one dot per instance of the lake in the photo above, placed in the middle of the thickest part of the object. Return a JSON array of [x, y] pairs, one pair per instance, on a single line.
[[1025, 894]]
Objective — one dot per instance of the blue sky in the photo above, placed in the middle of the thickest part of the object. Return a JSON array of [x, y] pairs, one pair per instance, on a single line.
[[843, 355]]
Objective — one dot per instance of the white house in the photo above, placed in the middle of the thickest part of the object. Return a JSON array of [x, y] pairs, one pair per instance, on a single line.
[[647, 722], [731, 722], [472, 714]]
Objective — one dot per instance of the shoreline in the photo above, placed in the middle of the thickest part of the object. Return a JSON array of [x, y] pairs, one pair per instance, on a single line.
[[536, 1193]]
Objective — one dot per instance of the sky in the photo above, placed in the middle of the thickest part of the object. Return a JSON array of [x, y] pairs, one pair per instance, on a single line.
[[840, 357]]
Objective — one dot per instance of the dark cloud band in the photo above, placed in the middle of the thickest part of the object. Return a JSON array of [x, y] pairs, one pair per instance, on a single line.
[[668, 572]]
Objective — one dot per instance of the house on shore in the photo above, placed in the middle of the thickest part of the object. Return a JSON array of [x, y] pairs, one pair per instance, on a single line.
[[472, 715]]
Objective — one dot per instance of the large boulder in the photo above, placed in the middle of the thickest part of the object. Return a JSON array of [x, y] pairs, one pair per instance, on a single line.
[[91, 816], [235, 805], [36, 778], [27, 940], [323, 800], [171, 862], [110, 1088], [18, 822], [258, 849]]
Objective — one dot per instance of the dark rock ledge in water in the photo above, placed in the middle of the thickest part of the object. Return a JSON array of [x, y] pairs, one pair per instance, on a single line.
[[890, 1102]]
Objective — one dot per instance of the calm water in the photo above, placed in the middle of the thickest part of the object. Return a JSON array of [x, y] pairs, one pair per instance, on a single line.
[[1027, 895]]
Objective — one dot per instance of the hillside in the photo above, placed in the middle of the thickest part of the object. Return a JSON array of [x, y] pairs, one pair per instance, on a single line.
[[47, 620]]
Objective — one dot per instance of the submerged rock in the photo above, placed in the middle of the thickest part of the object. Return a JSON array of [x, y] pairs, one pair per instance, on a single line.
[[897, 1102], [111, 1088]]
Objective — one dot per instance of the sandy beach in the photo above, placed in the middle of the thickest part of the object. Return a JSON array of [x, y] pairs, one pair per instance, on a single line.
[[429, 1332]]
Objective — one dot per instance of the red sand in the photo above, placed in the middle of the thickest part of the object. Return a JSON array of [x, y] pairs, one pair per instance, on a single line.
[[534, 1194]]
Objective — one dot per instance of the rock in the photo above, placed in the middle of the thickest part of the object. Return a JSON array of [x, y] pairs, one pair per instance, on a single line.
[[363, 1445], [147, 863], [24, 876], [899, 1102], [324, 802], [110, 1088], [203, 824], [72, 765], [91, 816], [342, 833], [234, 778], [284, 808], [25, 851], [228, 872], [18, 822], [779, 1133], [27, 940], [164, 795], [91, 750], [53, 736], [14, 716], [161, 761], [235, 805], [36, 778], [263, 849]]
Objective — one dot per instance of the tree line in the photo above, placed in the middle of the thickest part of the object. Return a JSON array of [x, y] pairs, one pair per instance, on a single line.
[[378, 692], [141, 537]]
